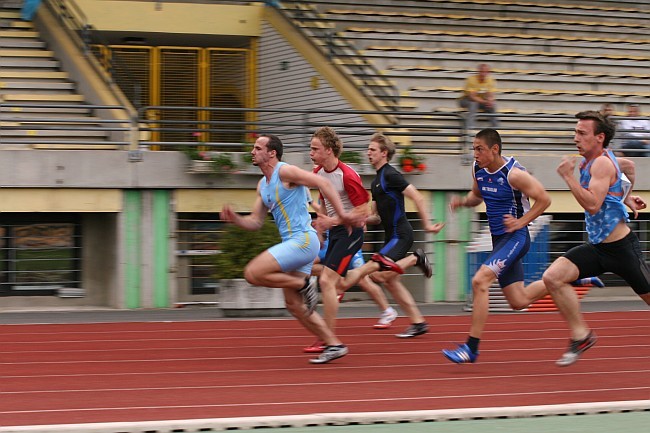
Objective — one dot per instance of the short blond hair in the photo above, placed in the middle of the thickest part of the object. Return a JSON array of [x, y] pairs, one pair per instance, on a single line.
[[330, 139], [385, 143]]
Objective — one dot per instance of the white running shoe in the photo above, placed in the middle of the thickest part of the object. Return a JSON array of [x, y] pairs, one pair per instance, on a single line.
[[386, 319], [330, 354]]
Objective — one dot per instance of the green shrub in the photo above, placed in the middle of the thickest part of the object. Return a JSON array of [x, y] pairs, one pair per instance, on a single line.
[[239, 246]]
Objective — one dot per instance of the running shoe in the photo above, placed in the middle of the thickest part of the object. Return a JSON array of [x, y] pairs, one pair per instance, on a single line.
[[340, 297], [386, 319], [589, 282], [576, 348], [462, 355], [386, 264], [423, 262], [414, 330], [317, 347], [330, 354], [310, 295]]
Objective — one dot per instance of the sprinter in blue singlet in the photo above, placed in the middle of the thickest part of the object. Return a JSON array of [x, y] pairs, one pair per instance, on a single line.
[[505, 187], [287, 265]]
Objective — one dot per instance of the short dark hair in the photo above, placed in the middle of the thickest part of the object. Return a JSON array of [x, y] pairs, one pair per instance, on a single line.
[[491, 137], [602, 124], [274, 143]]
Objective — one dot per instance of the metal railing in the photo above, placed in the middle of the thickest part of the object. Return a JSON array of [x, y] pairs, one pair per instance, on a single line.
[[175, 128]]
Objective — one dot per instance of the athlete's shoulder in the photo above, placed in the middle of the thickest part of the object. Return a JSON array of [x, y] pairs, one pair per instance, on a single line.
[[349, 174]]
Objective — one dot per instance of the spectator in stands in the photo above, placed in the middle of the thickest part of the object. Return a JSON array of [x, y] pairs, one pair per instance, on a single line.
[[479, 94], [29, 9], [636, 132], [607, 109]]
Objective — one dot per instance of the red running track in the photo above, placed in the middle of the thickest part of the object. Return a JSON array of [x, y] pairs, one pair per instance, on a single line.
[[147, 371]]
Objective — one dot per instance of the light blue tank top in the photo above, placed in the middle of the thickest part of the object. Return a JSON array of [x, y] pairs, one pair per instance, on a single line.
[[499, 196], [602, 223], [289, 207]]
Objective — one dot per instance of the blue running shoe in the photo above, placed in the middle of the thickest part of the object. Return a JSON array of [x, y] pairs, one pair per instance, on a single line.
[[589, 282], [462, 355]]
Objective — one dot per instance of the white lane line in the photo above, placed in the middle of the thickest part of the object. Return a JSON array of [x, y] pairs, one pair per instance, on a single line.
[[334, 383], [320, 402]]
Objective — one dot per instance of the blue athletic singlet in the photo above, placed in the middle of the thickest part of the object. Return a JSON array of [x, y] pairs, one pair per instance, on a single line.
[[601, 224], [300, 245], [508, 249], [288, 206], [499, 196]]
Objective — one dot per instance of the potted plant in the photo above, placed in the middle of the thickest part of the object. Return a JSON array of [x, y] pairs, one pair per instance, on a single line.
[[410, 162], [236, 296], [355, 160]]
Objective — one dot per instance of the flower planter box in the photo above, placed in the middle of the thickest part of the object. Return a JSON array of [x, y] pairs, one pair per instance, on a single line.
[[200, 166], [237, 298], [242, 166]]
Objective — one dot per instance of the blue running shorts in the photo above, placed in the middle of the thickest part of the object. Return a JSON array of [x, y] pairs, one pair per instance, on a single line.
[[508, 251], [298, 252]]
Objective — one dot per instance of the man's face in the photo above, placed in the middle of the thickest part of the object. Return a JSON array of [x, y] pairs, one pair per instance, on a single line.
[[318, 152], [586, 141], [483, 72], [484, 155], [260, 152], [375, 155]]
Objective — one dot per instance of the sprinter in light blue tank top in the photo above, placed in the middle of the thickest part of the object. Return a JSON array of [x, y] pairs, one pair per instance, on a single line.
[[612, 211], [282, 191], [289, 208], [612, 246]]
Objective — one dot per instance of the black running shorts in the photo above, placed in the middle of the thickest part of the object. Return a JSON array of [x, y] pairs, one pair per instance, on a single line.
[[623, 257]]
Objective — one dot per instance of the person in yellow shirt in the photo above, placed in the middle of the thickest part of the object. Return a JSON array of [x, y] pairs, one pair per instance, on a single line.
[[479, 94]]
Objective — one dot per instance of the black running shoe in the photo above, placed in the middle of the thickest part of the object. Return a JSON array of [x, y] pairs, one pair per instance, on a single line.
[[414, 330], [423, 263], [576, 348]]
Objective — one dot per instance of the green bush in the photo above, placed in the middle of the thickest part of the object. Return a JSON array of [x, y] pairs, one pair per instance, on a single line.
[[350, 157], [239, 246]]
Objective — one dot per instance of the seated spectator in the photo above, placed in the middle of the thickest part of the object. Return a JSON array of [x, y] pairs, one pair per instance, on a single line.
[[635, 132], [479, 94], [607, 109]]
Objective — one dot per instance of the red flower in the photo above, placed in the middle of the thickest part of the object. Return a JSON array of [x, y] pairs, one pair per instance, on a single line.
[[407, 168], [422, 166]]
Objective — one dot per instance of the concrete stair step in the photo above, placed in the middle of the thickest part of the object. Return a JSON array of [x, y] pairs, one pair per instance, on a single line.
[[52, 133], [9, 87], [6, 14], [18, 34], [54, 112], [21, 43], [15, 75], [10, 53], [15, 24], [76, 146], [65, 98], [29, 63], [7, 121]]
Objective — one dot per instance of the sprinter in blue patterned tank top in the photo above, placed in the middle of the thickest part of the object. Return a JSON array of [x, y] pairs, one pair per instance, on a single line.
[[287, 265], [612, 246]]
